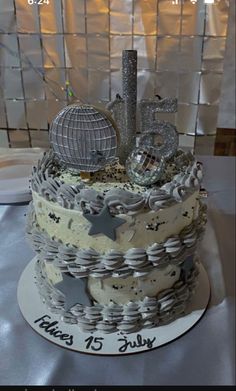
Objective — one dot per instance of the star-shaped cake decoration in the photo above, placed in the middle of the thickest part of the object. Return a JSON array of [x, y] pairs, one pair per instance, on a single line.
[[104, 223], [75, 291]]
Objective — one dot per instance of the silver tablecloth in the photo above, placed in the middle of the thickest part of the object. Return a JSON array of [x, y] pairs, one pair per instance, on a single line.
[[203, 356]]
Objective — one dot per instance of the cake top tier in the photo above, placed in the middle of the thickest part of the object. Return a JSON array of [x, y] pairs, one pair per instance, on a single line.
[[112, 187]]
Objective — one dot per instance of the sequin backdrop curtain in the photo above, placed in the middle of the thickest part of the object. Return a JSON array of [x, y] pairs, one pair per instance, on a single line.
[[180, 53]]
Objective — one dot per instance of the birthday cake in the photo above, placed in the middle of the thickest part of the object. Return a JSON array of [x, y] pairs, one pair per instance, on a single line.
[[115, 222]]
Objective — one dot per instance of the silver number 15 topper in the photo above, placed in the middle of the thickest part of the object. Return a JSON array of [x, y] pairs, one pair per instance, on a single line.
[[159, 142]]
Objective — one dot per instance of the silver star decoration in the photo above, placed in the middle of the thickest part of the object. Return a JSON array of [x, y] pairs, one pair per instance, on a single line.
[[75, 291], [104, 223]]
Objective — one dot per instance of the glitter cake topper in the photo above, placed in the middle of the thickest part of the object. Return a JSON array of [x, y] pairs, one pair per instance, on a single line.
[[124, 112], [163, 136], [124, 109], [84, 138], [149, 107]]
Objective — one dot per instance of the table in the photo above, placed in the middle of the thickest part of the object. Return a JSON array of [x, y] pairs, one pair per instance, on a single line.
[[203, 356]]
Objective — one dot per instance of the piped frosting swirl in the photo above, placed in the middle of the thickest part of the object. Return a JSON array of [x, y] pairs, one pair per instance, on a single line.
[[130, 317], [136, 261], [46, 181]]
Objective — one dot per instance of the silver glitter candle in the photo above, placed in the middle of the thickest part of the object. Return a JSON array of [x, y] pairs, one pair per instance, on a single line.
[[124, 108], [129, 74]]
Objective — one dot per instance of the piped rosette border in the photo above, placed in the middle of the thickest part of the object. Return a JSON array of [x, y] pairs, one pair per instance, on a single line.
[[81, 196], [127, 318], [135, 262]]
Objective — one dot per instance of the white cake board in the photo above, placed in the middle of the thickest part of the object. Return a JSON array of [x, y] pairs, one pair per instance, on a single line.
[[15, 171], [35, 313]]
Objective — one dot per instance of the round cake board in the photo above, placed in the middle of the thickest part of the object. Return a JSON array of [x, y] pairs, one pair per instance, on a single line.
[[50, 326], [15, 171]]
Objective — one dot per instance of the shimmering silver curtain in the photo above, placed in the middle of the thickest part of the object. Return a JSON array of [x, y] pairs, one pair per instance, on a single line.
[[73, 47]]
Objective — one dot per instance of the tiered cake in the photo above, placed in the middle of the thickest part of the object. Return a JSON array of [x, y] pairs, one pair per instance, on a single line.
[[116, 244], [114, 254]]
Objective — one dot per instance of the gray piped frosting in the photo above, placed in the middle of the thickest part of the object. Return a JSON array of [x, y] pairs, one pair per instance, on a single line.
[[82, 197], [136, 261], [127, 318]]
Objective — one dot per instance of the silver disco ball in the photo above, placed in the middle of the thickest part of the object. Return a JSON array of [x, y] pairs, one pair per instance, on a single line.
[[145, 166], [83, 137]]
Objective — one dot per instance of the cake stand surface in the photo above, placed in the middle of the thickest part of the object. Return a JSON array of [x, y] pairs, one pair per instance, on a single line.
[[50, 326]]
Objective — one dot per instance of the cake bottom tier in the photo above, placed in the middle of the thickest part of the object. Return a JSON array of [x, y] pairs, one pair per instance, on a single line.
[[132, 316]]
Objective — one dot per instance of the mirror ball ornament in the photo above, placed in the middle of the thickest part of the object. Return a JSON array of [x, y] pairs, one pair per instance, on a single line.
[[84, 138], [145, 165], [163, 136]]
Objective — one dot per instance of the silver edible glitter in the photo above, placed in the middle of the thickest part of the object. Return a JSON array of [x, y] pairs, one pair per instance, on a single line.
[[124, 109], [149, 107], [117, 108], [163, 136], [145, 166], [129, 72], [83, 138]]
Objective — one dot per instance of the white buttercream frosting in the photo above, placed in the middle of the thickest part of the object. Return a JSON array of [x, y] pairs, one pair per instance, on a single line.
[[112, 186], [134, 281], [139, 230], [122, 290], [130, 317], [81, 262]]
